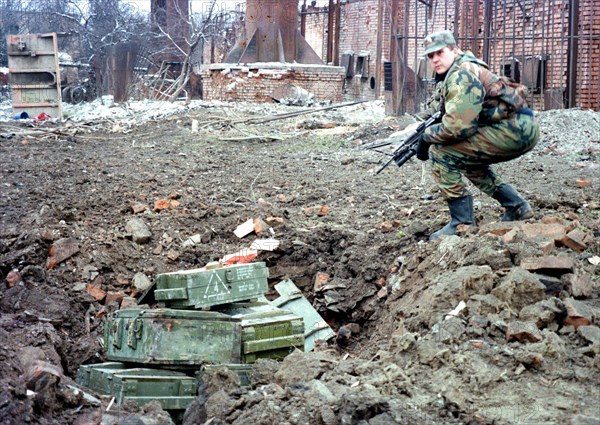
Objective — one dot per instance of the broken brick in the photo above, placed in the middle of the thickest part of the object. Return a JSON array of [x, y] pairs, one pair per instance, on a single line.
[[529, 359], [274, 221], [549, 219], [12, 278], [550, 264], [575, 240], [161, 204], [321, 279], [260, 226], [552, 231], [386, 227], [523, 332], [114, 296], [498, 228], [323, 211], [138, 207], [127, 302], [578, 313], [572, 225], [547, 246], [95, 291], [510, 235], [582, 183], [61, 250]]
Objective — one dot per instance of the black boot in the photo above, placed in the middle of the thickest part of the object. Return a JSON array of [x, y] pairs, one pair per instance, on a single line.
[[516, 208], [461, 211]]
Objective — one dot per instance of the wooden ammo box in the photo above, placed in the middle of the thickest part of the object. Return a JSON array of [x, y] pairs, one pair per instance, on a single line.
[[267, 331], [174, 390], [240, 333], [211, 285]]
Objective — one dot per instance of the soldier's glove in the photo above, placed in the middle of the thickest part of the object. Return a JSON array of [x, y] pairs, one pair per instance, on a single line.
[[423, 150]]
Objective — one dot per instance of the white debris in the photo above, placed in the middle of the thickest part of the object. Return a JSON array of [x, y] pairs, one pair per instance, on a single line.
[[245, 228], [265, 244], [454, 313]]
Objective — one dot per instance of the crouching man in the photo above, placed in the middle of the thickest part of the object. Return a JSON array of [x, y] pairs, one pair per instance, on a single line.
[[485, 121]]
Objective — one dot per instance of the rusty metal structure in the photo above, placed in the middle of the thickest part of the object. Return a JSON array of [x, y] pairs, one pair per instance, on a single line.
[[271, 35], [34, 74]]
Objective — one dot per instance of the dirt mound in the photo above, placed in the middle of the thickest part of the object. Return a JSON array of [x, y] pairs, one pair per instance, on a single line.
[[92, 210]]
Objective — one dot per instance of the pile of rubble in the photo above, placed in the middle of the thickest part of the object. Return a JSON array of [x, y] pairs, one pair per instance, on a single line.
[[473, 314]]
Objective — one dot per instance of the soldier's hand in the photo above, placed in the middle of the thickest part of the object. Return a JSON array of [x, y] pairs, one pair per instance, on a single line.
[[423, 150]]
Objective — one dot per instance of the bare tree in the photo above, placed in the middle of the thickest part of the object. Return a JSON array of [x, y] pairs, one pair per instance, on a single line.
[[184, 46]]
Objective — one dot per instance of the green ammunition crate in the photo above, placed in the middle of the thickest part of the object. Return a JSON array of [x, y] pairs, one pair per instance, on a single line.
[[242, 370], [236, 334], [174, 390], [90, 375], [211, 286], [268, 332]]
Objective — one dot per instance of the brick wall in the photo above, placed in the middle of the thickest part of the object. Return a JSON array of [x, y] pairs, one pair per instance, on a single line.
[[358, 36], [316, 30], [519, 28], [229, 82]]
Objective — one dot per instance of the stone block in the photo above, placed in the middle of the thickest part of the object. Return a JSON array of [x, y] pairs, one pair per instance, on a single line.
[[543, 312], [520, 288], [580, 286]]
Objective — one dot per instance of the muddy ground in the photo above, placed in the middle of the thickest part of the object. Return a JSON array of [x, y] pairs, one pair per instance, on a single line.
[[526, 349]]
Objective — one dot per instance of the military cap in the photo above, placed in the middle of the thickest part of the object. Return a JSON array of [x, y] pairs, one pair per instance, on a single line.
[[437, 41]]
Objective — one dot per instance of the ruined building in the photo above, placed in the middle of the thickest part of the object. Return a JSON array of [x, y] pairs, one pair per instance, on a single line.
[[552, 46]]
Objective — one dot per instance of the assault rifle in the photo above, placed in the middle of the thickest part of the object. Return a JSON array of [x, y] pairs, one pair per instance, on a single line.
[[408, 149]]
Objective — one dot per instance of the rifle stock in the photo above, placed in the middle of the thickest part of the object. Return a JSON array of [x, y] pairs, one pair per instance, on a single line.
[[409, 148]]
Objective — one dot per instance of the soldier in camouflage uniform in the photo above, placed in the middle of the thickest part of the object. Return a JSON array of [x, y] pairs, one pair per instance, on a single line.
[[485, 121]]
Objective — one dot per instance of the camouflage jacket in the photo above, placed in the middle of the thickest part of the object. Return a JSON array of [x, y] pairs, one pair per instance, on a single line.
[[472, 95]]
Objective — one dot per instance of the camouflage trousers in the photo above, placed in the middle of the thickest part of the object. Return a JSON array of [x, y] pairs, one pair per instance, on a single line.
[[493, 143]]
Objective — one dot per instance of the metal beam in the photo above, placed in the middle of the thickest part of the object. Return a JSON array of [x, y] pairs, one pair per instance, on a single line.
[[572, 53], [330, 33]]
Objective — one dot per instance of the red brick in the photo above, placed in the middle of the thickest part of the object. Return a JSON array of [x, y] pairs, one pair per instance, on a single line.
[[127, 302], [551, 219], [547, 246], [511, 235], [578, 313], [523, 332], [560, 265], [498, 228], [95, 291], [553, 231], [583, 182], [575, 240], [321, 279], [112, 296]]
